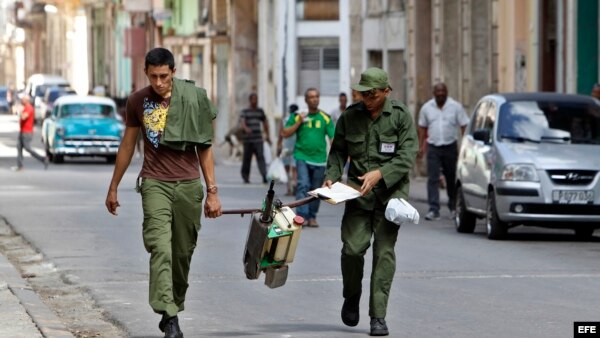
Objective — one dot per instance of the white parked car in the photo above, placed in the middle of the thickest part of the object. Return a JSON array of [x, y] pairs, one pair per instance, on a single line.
[[53, 93], [530, 159], [36, 88]]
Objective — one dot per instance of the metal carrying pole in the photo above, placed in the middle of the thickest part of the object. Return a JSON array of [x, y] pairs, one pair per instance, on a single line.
[[292, 204]]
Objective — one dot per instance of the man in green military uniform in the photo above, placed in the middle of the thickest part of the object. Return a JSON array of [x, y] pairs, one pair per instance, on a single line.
[[379, 137]]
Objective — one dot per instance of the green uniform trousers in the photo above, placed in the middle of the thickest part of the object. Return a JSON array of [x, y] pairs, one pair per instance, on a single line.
[[172, 213], [358, 226]]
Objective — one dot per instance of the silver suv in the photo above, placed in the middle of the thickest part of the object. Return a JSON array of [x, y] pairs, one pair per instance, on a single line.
[[530, 159]]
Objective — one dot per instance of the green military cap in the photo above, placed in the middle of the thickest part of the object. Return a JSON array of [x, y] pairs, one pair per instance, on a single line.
[[372, 78]]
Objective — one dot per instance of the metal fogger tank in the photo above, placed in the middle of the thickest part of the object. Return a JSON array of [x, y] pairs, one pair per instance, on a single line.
[[272, 238]]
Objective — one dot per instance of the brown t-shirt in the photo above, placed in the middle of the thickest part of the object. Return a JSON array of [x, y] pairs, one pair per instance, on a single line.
[[148, 110]]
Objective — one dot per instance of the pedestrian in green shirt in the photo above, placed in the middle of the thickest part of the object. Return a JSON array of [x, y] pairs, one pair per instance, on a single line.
[[379, 137], [310, 152]]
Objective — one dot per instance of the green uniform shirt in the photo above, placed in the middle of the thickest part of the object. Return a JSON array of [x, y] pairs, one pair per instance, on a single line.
[[311, 144], [388, 143], [190, 116]]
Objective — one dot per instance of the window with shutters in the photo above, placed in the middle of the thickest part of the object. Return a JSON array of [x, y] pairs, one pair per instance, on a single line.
[[203, 8], [317, 9], [396, 5], [319, 65], [219, 15]]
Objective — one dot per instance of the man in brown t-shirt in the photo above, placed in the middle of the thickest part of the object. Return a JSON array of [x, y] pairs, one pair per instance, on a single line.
[[170, 187]]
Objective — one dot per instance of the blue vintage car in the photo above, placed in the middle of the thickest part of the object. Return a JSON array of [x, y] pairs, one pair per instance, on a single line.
[[82, 126]]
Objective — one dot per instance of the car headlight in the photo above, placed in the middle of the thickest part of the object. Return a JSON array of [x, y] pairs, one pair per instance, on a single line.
[[519, 172], [60, 131]]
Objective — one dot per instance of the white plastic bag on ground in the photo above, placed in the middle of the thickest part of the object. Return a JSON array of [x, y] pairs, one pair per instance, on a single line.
[[400, 211], [277, 171]]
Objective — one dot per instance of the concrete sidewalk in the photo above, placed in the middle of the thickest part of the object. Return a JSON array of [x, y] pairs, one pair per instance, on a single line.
[[22, 312], [14, 319]]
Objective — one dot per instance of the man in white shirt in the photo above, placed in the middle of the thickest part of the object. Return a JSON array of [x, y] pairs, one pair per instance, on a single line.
[[439, 120]]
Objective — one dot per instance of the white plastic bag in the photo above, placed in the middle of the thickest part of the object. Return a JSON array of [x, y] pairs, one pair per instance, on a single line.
[[267, 153], [277, 171], [399, 211]]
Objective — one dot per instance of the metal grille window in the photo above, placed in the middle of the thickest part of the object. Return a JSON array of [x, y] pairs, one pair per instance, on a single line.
[[319, 66]]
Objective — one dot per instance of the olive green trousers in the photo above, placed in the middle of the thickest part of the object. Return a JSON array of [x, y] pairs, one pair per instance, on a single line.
[[358, 226], [172, 212]]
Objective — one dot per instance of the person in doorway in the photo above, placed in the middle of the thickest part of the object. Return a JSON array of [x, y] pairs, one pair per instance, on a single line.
[[251, 119], [26, 122], [169, 182], [379, 138], [439, 121], [337, 112], [311, 128]]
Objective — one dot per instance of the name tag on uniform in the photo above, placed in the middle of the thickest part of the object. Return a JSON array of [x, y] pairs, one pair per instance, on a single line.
[[387, 148]]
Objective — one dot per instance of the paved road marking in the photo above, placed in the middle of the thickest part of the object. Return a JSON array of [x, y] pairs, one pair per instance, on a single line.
[[549, 275], [408, 275]]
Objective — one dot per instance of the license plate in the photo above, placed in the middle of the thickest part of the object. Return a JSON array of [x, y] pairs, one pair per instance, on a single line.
[[91, 150], [573, 196]]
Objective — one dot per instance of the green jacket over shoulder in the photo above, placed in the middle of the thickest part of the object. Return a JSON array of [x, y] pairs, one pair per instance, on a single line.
[[189, 121], [388, 143]]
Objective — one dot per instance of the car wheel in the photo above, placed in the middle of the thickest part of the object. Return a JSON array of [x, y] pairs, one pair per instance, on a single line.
[[111, 159], [57, 159], [463, 219], [584, 232], [496, 229]]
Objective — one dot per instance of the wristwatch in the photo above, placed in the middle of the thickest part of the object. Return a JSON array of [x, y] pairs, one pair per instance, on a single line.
[[212, 189]]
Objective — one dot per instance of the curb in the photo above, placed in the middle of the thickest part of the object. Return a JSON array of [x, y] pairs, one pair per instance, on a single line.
[[46, 321]]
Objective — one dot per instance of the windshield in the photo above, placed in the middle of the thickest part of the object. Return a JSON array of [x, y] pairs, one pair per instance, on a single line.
[[94, 110], [55, 94], [546, 121], [41, 89]]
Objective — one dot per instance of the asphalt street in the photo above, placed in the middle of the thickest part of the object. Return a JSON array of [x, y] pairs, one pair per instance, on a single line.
[[535, 284]]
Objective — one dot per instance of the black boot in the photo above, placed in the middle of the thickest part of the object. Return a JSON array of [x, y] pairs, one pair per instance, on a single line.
[[379, 327], [163, 322], [172, 329], [350, 310]]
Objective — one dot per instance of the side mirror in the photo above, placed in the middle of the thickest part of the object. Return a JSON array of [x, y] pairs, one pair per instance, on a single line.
[[482, 135]]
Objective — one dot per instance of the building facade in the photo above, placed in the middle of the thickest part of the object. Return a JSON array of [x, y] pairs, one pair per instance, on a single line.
[[378, 39], [279, 48], [483, 46], [302, 44]]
